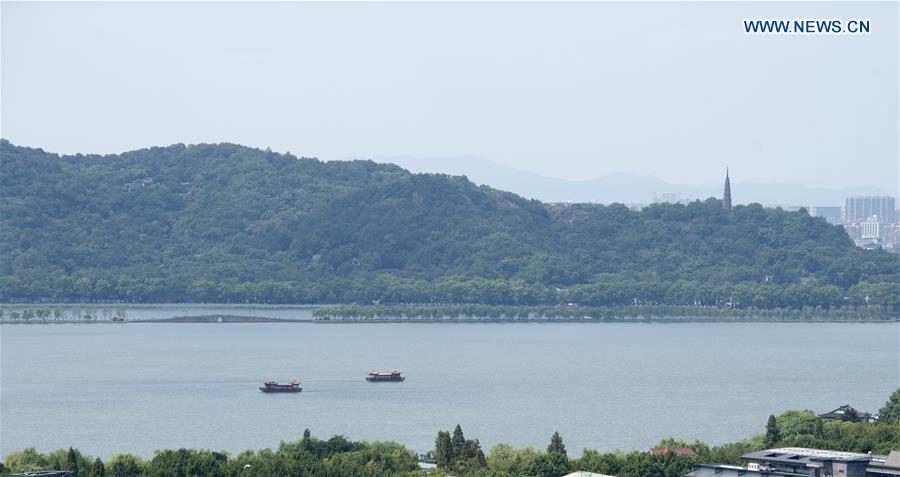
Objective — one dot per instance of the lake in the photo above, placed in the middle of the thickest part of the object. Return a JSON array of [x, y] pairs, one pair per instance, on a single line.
[[137, 387]]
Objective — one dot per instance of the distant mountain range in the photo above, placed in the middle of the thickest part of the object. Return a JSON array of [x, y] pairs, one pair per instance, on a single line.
[[622, 187]]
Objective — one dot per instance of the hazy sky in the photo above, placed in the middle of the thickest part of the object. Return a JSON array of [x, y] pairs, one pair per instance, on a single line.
[[572, 90]]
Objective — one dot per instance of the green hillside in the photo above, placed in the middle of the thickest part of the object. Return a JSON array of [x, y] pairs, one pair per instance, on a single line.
[[226, 223]]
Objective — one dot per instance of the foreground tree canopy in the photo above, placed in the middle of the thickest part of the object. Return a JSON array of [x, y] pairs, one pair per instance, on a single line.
[[454, 454], [225, 223]]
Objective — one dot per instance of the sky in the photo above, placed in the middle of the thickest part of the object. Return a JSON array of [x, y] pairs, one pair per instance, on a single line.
[[676, 90]]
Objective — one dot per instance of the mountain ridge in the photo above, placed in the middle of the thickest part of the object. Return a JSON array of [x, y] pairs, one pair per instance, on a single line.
[[223, 222]]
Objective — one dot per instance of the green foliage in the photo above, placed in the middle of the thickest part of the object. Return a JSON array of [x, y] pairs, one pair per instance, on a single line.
[[443, 450], [225, 223], [851, 437], [608, 463], [125, 465], [172, 463], [731, 453], [797, 423], [556, 444], [338, 456], [97, 468], [645, 464], [72, 461], [773, 433], [505, 460], [313, 457], [438, 312], [552, 464], [464, 455], [634, 464], [890, 413], [27, 460]]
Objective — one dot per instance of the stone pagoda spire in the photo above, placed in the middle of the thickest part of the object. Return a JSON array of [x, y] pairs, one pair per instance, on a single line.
[[726, 198]]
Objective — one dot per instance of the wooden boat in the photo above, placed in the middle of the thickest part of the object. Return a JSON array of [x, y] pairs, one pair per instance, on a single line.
[[276, 387], [379, 376]]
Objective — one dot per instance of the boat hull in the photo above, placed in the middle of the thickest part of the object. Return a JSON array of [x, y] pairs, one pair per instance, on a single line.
[[280, 390], [385, 380]]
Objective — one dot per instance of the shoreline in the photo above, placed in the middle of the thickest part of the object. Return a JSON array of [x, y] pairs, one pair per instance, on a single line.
[[231, 319]]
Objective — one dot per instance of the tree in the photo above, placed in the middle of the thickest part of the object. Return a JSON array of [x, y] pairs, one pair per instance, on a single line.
[[472, 458], [593, 461], [26, 460], [475, 454], [443, 449], [125, 465], [556, 444], [772, 433], [306, 441], [794, 423], [552, 464], [72, 461], [458, 443], [97, 468], [890, 413]]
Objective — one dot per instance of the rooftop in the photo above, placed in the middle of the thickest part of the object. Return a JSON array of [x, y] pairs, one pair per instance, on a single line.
[[679, 451], [721, 470], [803, 455]]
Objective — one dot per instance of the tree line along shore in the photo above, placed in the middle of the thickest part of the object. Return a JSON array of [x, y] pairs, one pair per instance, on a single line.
[[60, 313], [575, 313], [455, 454]]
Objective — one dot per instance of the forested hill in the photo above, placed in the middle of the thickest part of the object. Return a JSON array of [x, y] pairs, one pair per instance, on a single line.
[[226, 223]]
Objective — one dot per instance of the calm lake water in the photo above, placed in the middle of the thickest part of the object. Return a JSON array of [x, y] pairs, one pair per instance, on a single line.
[[108, 388]]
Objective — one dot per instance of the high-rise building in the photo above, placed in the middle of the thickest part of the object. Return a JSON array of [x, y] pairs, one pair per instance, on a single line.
[[890, 238], [671, 198], [858, 209], [854, 231], [726, 197], [831, 214], [870, 228]]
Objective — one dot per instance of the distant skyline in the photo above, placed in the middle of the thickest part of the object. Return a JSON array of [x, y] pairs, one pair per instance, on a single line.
[[568, 90], [626, 187]]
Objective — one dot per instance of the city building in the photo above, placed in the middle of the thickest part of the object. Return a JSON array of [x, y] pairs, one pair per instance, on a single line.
[[871, 222], [890, 238], [870, 233], [853, 231], [672, 198], [843, 413], [881, 466], [635, 206], [832, 214], [857, 209], [870, 228], [803, 462], [679, 451]]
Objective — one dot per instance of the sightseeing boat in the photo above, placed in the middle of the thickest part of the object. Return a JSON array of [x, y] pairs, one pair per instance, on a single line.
[[276, 387], [378, 376]]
